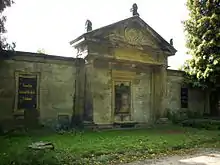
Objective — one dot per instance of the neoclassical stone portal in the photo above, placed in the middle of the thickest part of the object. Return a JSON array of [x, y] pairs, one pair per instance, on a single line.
[[136, 58]]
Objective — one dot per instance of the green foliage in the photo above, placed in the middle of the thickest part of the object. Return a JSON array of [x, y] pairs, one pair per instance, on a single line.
[[173, 116], [203, 42], [27, 157], [207, 124], [178, 116], [76, 122], [107, 147], [3, 42], [193, 115]]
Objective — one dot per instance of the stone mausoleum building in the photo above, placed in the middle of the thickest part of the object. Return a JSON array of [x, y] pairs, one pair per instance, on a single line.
[[120, 76]]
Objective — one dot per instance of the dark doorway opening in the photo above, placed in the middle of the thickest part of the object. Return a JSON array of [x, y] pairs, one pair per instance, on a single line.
[[214, 104]]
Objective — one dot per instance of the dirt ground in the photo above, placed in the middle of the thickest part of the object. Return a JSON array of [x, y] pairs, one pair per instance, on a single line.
[[203, 157]]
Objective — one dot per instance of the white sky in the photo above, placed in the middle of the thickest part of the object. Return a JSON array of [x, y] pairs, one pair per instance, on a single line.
[[51, 24]]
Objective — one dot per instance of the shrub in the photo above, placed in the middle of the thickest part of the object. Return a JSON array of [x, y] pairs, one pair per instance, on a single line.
[[176, 116], [193, 115], [207, 124]]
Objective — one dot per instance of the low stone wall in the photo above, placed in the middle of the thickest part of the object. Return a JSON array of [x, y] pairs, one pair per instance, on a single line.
[[196, 97]]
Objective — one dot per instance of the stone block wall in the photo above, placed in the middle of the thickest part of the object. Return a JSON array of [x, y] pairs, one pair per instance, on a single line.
[[56, 83], [174, 83], [102, 98], [196, 97], [62, 82], [142, 97], [101, 85]]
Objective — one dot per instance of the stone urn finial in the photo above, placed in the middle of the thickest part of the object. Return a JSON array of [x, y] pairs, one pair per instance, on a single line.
[[88, 25], [134, 10], [171, 41]]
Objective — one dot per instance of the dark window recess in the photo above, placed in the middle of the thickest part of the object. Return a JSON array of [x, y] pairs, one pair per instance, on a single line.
[[122, 98], [184, 97]]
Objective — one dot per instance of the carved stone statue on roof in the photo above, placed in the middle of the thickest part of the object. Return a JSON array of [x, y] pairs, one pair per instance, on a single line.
[[88, 25], [134, 10], [171, 41]]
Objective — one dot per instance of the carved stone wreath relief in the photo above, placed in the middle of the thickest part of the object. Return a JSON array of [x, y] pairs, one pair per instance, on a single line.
[[134, 37]]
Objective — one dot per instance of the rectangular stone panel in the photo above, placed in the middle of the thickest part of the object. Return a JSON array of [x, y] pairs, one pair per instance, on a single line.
[[27, 92]]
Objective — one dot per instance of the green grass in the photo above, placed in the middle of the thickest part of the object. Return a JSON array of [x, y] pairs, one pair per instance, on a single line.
[[103, 147]]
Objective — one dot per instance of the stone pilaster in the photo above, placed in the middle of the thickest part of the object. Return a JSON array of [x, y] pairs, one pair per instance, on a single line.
[[160, 79], [79, 90], [163, 81]]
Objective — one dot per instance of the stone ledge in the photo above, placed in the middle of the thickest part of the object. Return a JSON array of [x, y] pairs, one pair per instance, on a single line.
[[163, 121], [125, 124]]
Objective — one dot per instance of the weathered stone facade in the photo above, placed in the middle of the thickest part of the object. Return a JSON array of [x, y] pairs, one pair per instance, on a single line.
[[55, 84], [121, 76], [196, 98]]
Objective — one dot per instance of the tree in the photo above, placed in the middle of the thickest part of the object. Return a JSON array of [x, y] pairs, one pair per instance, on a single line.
[[203, 42], [3, 42]]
